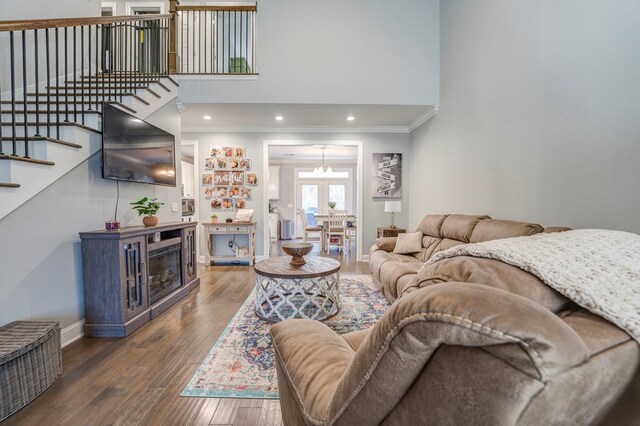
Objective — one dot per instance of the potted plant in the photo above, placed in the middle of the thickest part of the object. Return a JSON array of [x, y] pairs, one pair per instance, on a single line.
[[214, 218], [148, 208], [332, 204]]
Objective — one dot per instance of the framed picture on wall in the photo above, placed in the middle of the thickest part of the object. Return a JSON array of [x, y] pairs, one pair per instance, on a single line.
[[236, 178], [251, 179], [221, 163], [227, 204], [208, 192], [216, 204], [207, 179], [245, 192], [244, 164], [209, 163], [228, 151], [221, 178], [386, 175], [240, 152]]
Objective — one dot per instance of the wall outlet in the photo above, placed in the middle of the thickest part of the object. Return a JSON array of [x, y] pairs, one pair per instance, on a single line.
[[174, 207], [230, 244], [290, 206]]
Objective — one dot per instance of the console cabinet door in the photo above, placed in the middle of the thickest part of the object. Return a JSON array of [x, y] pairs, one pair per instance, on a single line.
[[133, 263], [190, 265]]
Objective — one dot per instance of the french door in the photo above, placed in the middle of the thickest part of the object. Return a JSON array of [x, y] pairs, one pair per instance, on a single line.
[[313, 196]]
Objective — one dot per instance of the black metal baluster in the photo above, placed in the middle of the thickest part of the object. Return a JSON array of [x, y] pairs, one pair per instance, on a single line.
[[91, 77], [13, 96], [35, 44], [82, 73], [66, 76], [24, 92], [217, 51], [57, 110], [241, 19], [75, 71], [89, 62], [228, 41], [48, 56]]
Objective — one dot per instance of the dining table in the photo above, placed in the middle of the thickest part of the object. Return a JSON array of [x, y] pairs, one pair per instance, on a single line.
[[324, 220]]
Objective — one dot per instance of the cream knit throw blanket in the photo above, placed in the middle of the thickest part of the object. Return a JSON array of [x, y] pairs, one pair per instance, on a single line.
[[597, 269]]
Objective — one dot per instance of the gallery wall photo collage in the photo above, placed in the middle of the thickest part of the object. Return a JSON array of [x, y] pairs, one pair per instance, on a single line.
[[228, 180]]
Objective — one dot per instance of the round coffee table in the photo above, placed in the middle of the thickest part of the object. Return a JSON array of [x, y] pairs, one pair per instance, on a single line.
[[310, 291]]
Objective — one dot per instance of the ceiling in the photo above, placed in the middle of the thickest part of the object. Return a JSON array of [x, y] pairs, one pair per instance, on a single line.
[[312, 152], [261, 117]]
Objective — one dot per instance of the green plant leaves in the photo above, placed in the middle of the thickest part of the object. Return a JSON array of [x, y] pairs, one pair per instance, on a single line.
[[146, 206]]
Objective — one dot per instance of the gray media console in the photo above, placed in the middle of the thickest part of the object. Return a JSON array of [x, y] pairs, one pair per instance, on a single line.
[[133, 275]]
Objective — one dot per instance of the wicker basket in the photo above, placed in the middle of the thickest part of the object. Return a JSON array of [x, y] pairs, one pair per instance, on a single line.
[[30, 361]]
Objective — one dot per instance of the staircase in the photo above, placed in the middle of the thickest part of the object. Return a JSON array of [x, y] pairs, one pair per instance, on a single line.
[[55, 124]]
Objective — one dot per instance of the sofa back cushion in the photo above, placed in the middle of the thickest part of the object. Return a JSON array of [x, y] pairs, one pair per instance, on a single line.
[[441, 232], [491, 229]]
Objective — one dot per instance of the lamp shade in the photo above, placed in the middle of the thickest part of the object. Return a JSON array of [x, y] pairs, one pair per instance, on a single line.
[[392, 206]]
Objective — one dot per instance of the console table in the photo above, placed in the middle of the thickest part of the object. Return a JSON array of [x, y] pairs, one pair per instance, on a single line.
[[133, 275], [227, 230], [385, 231]]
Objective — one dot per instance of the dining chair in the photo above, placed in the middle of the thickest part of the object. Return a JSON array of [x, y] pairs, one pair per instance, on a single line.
[[352, 232], [337, 227], [306, 228]]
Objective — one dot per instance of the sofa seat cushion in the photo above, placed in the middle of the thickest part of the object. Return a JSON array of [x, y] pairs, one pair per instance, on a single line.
[[399, 274]]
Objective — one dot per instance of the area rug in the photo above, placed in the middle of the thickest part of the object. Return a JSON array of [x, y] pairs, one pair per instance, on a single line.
[[241, 363]]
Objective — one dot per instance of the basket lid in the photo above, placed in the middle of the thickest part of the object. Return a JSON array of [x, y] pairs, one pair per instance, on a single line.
[[19, 337]]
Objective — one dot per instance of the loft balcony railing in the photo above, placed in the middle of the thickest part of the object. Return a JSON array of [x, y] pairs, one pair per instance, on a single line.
[[213, 39]]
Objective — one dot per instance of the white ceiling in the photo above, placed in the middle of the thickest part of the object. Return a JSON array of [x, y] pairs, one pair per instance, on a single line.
[[261, 117], [312, 152]]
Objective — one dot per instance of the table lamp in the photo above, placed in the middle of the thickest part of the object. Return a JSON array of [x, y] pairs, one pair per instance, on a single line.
[[392, 207]]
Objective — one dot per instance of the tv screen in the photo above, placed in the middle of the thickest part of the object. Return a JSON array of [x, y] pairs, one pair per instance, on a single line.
[[136, 151]]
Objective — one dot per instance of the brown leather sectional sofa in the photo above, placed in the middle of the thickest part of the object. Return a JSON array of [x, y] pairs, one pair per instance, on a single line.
[[468, 341]]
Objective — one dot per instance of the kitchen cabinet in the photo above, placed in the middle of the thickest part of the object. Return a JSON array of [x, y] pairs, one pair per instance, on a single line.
[[273, 226], [274, 183]]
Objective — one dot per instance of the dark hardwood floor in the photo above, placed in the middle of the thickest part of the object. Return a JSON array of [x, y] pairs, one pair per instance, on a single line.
[[138, 380]]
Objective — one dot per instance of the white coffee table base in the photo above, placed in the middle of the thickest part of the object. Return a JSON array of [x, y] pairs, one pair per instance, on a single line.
[[278, 299]]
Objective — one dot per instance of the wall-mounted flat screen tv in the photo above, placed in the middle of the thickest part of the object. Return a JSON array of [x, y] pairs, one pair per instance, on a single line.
[[136, 151]]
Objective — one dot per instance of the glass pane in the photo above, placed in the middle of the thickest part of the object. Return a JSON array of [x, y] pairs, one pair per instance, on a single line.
[[338, 195], [309, 202]]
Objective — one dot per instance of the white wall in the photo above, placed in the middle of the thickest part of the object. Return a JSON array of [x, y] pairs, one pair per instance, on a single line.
[[538, 115], [40, 255], [48, 9], [373, 216], [332, 51]]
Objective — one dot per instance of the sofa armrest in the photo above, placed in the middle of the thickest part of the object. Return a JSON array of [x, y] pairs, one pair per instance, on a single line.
[[386, 243], [522, 333], [310, 358]]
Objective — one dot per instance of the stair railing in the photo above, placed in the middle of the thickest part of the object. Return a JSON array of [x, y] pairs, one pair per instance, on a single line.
[[212, 39], [58, 71]]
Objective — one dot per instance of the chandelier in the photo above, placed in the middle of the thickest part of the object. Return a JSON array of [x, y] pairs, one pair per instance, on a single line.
[[323, 168]]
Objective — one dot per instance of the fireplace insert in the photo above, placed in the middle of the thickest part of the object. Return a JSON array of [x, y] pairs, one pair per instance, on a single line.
[[165, 275]]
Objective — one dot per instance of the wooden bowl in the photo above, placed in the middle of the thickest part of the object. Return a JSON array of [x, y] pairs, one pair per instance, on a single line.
[[297, 251]]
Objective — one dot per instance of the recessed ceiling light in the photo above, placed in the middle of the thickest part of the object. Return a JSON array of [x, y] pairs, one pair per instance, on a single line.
[[279, 117], [207, 117], [350, 118]]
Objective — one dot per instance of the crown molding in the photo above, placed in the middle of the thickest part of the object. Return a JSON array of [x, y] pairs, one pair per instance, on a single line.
[[424, 118], [372, 129]]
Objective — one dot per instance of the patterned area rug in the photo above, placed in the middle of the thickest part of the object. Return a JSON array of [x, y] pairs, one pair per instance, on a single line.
[[241, 363]]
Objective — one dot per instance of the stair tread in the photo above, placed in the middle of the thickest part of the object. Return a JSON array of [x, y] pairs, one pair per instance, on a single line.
[[70, 102], [93, 95], [9, 185], [44, 124], [27, 160], [43, 138], [49, 111]]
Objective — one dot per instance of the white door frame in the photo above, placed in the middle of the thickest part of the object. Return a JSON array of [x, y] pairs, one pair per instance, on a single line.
[[359, 174], [197, 191], [111, 5], [132, 5]]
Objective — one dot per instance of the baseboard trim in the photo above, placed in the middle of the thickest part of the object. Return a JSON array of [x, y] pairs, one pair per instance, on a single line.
[[260, 258], [70, 334], [364, 258]]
